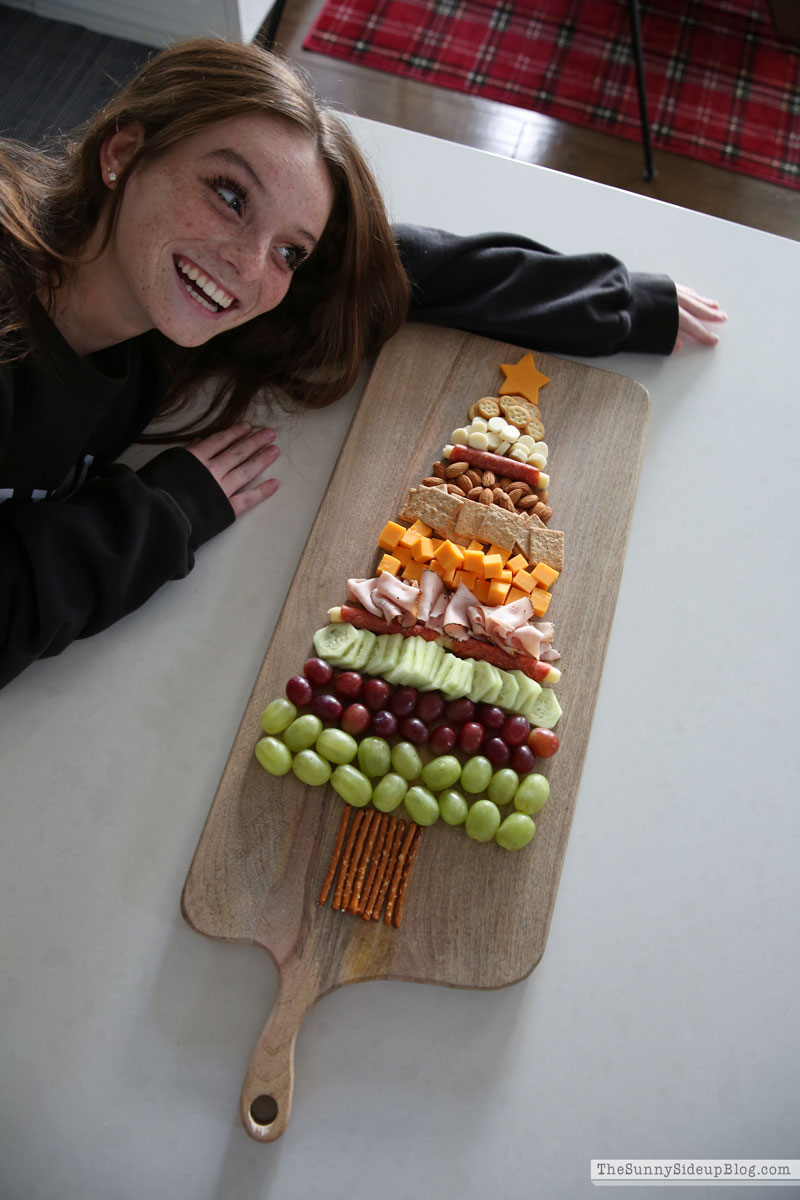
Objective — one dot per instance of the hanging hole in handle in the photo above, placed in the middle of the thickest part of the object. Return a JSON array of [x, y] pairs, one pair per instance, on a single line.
[[264, 1110]]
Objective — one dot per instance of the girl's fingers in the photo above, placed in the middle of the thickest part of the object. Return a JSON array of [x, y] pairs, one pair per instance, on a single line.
[[250, 497], [695, 328], [243, 473]]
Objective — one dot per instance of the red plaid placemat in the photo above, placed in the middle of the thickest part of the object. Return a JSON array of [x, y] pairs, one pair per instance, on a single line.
[[720, 86]]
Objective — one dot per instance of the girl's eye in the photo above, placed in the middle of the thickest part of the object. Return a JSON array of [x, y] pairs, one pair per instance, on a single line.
[[293, 256], [232, 194]]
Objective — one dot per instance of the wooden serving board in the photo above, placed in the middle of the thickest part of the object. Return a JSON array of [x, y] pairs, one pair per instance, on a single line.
[[475, 915]]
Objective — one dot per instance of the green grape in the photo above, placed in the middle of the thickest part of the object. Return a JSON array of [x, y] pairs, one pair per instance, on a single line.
[[476, 774], [483, 821], [374, 757], [274, 755], [441, 772], [421, 806], [311, 768], [503, 786], [515, 832], [302, 732], [337, 746], [453, 808], [406, 761], [278, 715], [389, 792], [532, 794], [352, 785]]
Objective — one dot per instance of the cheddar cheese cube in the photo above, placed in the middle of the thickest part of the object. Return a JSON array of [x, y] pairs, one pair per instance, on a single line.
[[390, 535], [540, 601], [492, 566], [480, 590], [450, 556], [518, 563], [410, 538], [514, 594], [504, 554], [497, 593], [424, 550], [413, 571], [390, 564], [473, 562], [524, 581], [545, 576]]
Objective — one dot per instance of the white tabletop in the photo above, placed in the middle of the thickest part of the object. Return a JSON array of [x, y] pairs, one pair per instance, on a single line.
[[662, 1021]]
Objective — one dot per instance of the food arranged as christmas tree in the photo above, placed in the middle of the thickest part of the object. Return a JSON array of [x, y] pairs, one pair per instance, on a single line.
[[431, 692]]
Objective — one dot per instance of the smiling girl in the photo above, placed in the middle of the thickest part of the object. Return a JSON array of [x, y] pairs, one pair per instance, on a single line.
[[216, 231]]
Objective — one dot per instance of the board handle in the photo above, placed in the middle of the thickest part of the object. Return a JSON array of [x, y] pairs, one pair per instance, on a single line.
[[265, 1104]]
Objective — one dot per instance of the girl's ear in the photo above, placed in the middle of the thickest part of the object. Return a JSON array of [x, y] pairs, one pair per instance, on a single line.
[[117, 151]]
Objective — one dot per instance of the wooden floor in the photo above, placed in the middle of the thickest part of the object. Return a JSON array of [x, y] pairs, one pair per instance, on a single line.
[[530, 137]]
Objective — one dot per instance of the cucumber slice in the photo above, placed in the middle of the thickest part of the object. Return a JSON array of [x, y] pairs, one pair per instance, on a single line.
[[430, 660], [333, 642], [419, 669], [528, 691], [403, 670], [457, 678], [545, 711], [359, 655], [509, 691], [486, 682]]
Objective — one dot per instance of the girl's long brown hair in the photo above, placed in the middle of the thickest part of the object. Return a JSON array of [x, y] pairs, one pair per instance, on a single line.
[[344, 302]]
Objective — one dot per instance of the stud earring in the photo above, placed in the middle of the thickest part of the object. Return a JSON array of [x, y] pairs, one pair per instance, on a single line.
[[112, 176]]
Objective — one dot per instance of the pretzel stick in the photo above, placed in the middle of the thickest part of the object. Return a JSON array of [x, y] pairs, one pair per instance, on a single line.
[[356, 857], [363, 863], [398, 871], [387, 875], [401, 892], [382, 829], [337, 850], [358, 817], [387, 846]]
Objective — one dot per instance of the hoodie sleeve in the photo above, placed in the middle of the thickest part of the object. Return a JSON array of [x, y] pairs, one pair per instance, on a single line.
[[507, 287], [70, 568]]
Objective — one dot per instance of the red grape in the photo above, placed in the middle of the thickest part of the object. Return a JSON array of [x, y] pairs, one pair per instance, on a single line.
[[470, 737], [355, 719], [515, 730], [376, 693], [348, 684], [497, 751], [318, 671], [461, 710], [523, 760], [442, 739], [404, 701], [414, 730], [327, 707], [299, 690], [384, 723], [543, 742], [491, 716], [430, 706]]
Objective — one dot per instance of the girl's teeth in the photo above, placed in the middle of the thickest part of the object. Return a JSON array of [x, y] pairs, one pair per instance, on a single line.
[[208, 286]]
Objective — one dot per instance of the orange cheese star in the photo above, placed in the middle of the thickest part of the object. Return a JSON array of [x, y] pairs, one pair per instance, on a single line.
[[523, 379]]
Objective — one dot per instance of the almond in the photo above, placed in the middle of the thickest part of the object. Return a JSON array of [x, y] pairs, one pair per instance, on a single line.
[[527, 501], [498, 494], [439, 469], [454, 489], [474, 493], [486, 496], [456, 468], [473, 476], [488, 479], [431, 481]]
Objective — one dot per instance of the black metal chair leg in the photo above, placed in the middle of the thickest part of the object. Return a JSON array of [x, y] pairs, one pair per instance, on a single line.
[[636, 38], [268, 32]]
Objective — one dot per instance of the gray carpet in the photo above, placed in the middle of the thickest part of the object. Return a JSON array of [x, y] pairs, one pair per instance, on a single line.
[[55, 76]]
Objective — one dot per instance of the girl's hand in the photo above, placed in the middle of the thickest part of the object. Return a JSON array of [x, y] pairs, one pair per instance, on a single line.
[[693, 312], [235, 457]]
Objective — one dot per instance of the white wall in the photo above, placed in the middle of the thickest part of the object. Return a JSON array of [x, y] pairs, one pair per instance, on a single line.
[[156, 22]]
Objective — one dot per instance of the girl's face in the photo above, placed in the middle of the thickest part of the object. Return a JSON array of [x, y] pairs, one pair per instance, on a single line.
[[209, 234]]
